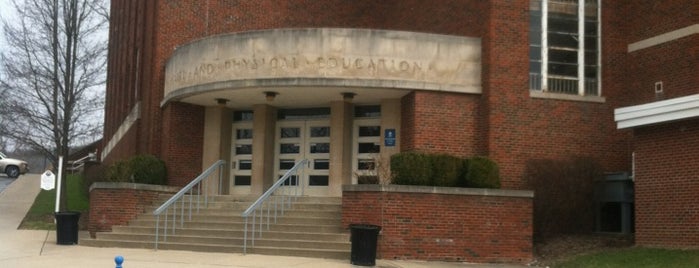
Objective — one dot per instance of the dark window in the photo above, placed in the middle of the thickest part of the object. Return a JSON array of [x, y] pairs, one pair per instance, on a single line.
[[242, 180], [321, 164], [245, 165], [289, 148], [366, 164], [243, 134], [290, 132], [318, 180], [319, 148], [243, 149], [367, 111], [286, 164], [306, 113], [291, 180], [368, 148], [320, 132], [242, 116], [370, 131]]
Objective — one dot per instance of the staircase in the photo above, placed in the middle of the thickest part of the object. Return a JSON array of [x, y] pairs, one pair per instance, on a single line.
[[311, 228]]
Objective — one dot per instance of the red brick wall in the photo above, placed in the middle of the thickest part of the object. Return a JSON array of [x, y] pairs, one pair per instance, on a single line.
[[438, 122], [110, 206], [517, 127], [449, 227], [184, 142], [667, 184]]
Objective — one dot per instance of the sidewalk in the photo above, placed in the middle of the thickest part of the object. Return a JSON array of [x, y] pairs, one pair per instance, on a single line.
[[32, 248]]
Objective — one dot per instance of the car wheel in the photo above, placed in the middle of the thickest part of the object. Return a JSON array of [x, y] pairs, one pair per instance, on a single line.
[[12, 171]]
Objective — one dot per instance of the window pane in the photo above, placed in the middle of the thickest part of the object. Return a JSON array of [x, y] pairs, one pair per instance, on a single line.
[[365, 164], [305, 113], [370, 131], [367, 111], [563, 56], [563, 40], [290, 132], [291, 180], [241, 180], [242, 116], [245, 164], [320, 132], [321, 164], [289, 148], [318, 180], [562, 23], [242, 134], [320, 148], [242, 149], [368, 147], [570, 70], [286, 164]]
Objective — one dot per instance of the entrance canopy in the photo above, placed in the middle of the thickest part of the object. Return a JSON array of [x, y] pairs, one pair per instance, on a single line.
[[310, 65]]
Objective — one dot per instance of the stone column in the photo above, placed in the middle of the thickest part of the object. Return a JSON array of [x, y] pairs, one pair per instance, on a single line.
[[263, 129], [341, 146], [217, 146], [390, 119]]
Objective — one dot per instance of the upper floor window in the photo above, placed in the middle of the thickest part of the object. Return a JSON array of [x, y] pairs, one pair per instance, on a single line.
[[564, 46]]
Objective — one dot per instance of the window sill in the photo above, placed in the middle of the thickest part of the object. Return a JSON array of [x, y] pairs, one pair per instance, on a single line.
[[560, 96]]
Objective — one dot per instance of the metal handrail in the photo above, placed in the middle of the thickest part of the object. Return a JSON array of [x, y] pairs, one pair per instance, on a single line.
[[280, 200], [188, 189]]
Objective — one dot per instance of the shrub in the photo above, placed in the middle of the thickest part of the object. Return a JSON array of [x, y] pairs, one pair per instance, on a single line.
[[119, 171], [139, 169], [148, 169], [447, 170], [411, 168], [482, 173]]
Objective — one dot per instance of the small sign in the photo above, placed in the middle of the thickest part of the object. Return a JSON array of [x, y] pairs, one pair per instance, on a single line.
[[389, 137], [48, 180]]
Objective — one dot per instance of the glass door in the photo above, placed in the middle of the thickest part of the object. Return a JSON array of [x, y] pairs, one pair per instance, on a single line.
[[308, 139], [241, 158]]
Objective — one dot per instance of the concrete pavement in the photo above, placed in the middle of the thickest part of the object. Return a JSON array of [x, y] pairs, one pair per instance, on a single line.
[[34, 248]]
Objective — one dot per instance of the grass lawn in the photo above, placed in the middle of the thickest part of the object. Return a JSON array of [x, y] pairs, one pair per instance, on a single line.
[[636, 257], [40, 216]]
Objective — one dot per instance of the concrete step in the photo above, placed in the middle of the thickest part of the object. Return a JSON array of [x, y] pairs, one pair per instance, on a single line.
[[330, 237], [311, 227]]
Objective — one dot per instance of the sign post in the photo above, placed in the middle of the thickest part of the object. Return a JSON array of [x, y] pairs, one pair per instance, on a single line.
[[58, 184]]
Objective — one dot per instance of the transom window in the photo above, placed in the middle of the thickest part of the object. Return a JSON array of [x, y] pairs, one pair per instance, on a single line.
[[564, 46]]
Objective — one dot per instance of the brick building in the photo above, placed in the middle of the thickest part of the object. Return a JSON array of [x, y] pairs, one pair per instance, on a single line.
[[346, 84]]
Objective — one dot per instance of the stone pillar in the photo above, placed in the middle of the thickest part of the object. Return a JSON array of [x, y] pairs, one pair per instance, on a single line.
[[217, 146], [341, 149], [263, 128], [390, 119]]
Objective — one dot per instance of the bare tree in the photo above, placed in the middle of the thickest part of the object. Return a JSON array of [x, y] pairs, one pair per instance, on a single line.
[[54, 72]]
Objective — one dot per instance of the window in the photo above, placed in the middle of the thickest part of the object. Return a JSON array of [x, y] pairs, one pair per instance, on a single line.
[[564, 46]]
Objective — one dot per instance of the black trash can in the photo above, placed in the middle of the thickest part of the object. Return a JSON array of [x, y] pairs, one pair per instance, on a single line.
[[67, 227], [364, 237]]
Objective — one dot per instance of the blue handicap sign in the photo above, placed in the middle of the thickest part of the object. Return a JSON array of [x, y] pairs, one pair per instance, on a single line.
[[390, 137]]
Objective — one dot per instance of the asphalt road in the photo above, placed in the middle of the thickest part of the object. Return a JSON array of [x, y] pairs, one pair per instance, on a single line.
[[4, 182]]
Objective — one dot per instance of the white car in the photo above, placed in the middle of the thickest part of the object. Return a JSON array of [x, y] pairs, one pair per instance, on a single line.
[[12, 167]]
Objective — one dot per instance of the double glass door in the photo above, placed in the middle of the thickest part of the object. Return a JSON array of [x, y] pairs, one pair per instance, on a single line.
[[310, 140]]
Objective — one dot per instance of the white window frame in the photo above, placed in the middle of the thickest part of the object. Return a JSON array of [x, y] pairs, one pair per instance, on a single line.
[[581, 47]]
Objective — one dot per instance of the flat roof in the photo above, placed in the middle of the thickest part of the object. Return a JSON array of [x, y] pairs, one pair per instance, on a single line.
[[657, 112]]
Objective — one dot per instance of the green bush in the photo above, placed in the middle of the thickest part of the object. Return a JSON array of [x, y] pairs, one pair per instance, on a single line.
[[447, 170], [119, 171], [411, 168], [482, 173], [148, 169], [145, 169]]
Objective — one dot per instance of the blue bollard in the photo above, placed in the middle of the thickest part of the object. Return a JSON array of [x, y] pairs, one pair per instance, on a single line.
[[119, 260]]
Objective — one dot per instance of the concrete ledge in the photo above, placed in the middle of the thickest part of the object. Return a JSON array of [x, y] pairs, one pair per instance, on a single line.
[[437, 190], [134, 186]]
